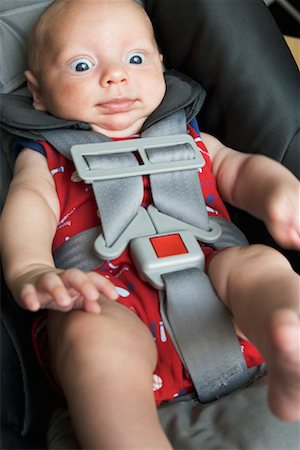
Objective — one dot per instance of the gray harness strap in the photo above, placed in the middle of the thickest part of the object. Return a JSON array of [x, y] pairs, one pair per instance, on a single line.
[[112, 196], [203, 334], [118, 200], [177, 193], [79, 251], [197, 321], [63, 139]]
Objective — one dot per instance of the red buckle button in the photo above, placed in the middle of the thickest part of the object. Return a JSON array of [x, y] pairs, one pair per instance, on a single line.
[[168, 245]]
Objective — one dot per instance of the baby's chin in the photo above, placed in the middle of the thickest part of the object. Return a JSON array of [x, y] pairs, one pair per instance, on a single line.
[[121, 130]]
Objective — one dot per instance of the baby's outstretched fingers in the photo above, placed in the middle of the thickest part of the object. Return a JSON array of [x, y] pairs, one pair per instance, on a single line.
[[286, 232], [64, 290], [29, 298], [45, 290], [89, 285], [104, 285], [51, 287], [283, 217]]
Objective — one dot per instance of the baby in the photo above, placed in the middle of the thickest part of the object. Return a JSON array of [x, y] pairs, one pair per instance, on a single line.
[[100, 64]]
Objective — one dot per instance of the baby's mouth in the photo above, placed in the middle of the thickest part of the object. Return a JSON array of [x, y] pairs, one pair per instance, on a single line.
[[117, 105]]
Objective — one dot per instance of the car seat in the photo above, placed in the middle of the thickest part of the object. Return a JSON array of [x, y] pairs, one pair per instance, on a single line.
[[235, 50]]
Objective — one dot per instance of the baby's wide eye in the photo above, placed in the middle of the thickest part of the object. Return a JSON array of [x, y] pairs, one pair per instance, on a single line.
[[136, 58], [81, 65]]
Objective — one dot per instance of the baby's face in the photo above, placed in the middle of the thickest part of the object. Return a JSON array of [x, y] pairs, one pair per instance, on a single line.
[[102, 66]]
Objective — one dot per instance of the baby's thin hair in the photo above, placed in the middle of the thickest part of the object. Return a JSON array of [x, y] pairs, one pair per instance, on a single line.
[[35, 40]]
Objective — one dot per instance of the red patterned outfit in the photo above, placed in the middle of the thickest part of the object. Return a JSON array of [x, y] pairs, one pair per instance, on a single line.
[[79, 212]]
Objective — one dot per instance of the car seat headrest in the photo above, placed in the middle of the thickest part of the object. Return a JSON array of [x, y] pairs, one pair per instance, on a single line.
[[15, 23]]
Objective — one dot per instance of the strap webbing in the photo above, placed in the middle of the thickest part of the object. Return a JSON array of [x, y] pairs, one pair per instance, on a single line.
[[201, 328], [63, 139], [117, 200], [177, 194], [79, 251], [231, 234]]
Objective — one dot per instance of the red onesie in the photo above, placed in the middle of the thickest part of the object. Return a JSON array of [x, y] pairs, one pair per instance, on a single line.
[[79, 212]]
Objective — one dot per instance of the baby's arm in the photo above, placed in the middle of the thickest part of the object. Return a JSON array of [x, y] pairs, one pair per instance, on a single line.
[[261, 186], [29, 222]]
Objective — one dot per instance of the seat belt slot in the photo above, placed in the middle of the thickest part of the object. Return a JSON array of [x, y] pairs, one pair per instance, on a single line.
[[84, 153]]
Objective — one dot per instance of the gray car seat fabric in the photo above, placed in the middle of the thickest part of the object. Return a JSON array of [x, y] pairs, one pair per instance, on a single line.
[[227, 424], [16, 17], [234, 49]]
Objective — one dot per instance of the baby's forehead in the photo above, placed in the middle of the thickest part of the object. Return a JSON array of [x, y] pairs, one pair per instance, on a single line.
[[74, 20], [74, 9]]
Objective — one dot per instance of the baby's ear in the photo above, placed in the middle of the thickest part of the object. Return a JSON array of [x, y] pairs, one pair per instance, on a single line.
[[34, 87], [161, 57]]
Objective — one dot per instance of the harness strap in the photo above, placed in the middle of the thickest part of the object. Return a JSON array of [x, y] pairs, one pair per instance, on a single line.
[[112, 196], [197, 321], [118, 200], [203, 334], [79, 251], [176, 194], [64, 139]]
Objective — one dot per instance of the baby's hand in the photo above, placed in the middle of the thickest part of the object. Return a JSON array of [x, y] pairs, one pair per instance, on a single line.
[[283, 216], [66, 290]]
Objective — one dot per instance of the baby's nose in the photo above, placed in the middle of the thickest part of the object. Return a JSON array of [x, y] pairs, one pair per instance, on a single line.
[[115, 73]]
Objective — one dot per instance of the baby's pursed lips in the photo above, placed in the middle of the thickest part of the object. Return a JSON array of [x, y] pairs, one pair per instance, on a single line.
[[122, 104]]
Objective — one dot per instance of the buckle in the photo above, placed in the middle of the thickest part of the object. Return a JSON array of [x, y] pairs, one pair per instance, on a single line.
[[156, 255], [80, 154], [150, 222]]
